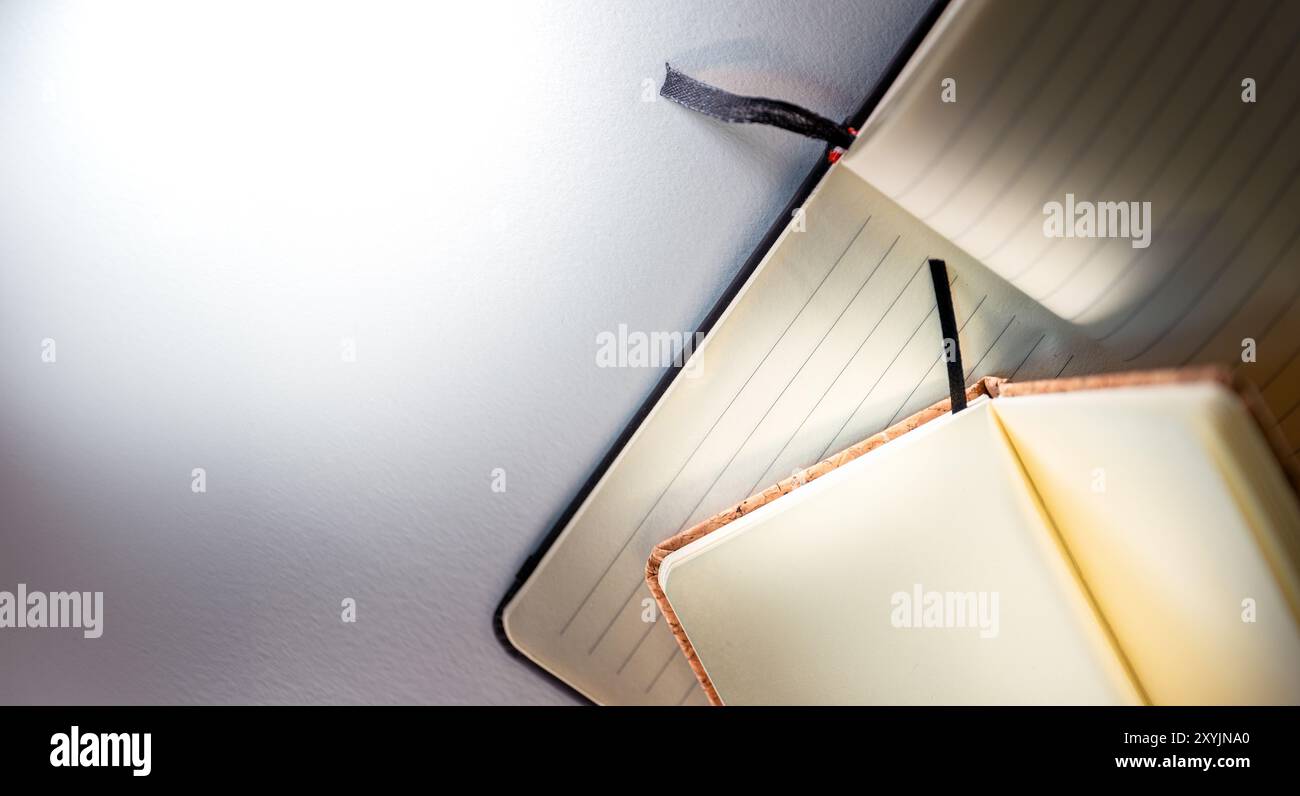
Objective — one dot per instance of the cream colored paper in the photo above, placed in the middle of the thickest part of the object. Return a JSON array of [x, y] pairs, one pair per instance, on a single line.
[[809, 600], [1117, 101], [834, 338], [831, 340], [1159, 508], [1184, 528]]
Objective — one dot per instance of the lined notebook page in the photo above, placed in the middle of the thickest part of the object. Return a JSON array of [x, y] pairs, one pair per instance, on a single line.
[[834, 337], [1118, 100]]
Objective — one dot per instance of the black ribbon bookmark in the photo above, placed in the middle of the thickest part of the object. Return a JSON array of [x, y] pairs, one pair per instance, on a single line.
[[948, 325], [712, 101]]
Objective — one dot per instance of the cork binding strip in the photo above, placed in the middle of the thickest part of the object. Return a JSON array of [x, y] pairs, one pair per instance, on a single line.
[[992, 386]]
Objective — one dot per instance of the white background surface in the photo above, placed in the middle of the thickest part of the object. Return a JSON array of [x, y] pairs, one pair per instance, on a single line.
[[198, 201]]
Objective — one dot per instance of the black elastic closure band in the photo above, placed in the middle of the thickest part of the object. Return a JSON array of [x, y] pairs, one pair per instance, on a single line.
[[948, 325], [712, 101]]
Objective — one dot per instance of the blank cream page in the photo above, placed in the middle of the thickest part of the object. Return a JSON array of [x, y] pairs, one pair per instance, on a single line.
[[825, 596], [834, 337], [1174, 508]]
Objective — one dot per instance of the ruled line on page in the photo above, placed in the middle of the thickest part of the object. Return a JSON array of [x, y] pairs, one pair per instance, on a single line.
[[1188, 130], [966, 376], [690, 690], [1221, 149], [980, 103], [671, 657], [1242, 241], [636, 649], [641, 646], [1028, 354], [636, 653], [1094, 135], [970, 371], [648, 627], [1068, 360], [632, 654], [1187, 256], [601, 637], [927, 373], [974, 368], [839, 375], [1250, 293], [1101, 56], [793, 379], [777, 400], [630, 658], [725, 467], [723, 414], [1186, 72], [879, 378], [1014, 118]]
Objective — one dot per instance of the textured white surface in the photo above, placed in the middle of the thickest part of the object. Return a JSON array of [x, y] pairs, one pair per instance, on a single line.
[[198, 201]]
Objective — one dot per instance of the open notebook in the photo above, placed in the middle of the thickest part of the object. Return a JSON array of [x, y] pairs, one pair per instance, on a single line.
[[833, 335], [1107, 540]]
